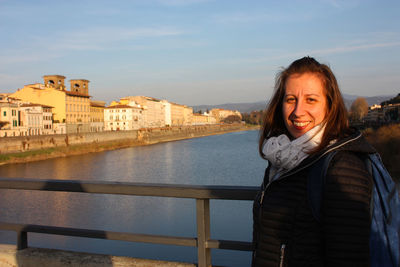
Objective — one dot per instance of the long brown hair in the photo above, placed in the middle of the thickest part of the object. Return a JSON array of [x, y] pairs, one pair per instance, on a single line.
[[336, 115]]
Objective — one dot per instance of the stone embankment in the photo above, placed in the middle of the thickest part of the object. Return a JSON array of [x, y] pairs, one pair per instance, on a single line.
[[32, 148]]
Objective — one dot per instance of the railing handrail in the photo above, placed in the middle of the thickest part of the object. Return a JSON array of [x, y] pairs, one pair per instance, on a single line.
[[137, 189], [202, 194]]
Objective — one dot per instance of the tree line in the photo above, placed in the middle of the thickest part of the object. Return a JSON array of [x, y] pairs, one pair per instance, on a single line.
[[254, 117]]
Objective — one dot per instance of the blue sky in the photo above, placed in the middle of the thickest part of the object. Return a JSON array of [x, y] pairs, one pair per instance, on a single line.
[[198, 51]]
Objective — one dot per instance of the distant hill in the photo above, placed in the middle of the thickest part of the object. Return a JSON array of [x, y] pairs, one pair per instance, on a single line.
[[394, 100], [371, 100], [252, 106]]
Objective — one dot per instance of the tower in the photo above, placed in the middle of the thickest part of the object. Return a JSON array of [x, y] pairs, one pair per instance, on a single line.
[[80, 86], [54, 81]]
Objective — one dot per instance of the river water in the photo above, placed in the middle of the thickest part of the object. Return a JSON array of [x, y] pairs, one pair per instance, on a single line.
[[229, 159]]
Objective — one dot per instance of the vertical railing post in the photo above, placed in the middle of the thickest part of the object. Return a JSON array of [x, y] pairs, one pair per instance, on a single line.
[[203, 232], [22, 240]]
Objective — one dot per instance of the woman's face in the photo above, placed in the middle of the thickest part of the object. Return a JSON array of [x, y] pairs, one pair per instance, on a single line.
[[304, 104]]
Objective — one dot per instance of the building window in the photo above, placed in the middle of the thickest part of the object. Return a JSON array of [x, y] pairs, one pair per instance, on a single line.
[[5, 113]]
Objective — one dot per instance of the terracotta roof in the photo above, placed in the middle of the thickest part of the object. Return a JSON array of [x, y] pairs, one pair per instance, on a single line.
[[120, 106], [73, 80], [14, 98], [35, 105], [76, 94], [96, 105], [54, 75]]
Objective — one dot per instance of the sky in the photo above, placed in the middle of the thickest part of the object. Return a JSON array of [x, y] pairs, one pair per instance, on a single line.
[[196, 52]]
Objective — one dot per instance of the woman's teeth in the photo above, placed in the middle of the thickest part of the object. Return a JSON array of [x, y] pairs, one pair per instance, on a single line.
[[301, 124]]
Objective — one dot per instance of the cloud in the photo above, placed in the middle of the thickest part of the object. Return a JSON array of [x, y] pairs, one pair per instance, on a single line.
[[254, 17], [277, 55], [103, 11], [39, 49], [181, 2], [342, 3], [18, 56], [102, 37], [353, 48]]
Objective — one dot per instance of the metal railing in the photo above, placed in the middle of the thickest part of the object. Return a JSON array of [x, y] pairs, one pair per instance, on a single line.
[[202, 194]]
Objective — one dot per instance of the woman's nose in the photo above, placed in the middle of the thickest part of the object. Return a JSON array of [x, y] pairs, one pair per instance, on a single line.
[[298, 109]]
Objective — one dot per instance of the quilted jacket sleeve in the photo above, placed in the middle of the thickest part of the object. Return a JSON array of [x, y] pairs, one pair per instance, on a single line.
[[346, 212]]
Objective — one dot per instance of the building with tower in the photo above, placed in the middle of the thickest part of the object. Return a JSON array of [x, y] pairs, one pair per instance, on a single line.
[[71, 112], [54, 81]]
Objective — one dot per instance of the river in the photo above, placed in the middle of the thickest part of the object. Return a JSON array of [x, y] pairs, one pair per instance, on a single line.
[[229, 159]]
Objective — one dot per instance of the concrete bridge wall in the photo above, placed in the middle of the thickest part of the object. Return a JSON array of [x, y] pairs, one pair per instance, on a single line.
[[33, 257]]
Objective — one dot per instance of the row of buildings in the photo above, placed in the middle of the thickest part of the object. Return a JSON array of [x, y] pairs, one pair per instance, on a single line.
[[382, 114], [50, 108]]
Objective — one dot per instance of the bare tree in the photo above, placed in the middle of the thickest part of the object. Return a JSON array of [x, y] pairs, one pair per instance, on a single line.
[[3, 123], [231, 119], [359, 108]]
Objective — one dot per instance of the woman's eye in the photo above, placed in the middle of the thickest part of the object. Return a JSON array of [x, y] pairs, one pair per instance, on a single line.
[[311, 100], [290, 100]]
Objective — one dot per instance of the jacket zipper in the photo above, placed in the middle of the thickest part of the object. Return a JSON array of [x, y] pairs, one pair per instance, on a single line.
[[282, 257]]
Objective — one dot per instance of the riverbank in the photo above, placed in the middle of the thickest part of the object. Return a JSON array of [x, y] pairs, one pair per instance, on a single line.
[[70, 145]]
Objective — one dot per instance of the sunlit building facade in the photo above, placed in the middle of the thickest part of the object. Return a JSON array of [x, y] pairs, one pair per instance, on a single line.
[[71, 107], [123, 117], [97, 116]]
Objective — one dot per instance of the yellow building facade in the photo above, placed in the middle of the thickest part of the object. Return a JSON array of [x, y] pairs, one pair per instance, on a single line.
[[40, 94], [203, 119], [71, 108], [177, 114], [97, 116], [187, 115]]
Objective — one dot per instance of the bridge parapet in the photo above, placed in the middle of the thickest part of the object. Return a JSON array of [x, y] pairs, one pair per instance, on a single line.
[[33, 257], [202, 194]]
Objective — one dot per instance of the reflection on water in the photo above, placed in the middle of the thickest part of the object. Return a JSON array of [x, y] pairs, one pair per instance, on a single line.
[[229, 159]]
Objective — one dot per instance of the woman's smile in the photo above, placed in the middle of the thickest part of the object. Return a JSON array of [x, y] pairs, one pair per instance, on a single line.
[[300, 125]]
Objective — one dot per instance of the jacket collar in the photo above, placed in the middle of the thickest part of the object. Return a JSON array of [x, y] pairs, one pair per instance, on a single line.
[[354, 142]]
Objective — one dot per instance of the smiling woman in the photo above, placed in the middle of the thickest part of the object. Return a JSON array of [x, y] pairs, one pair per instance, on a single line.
[[304, 100], [306, 120]]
